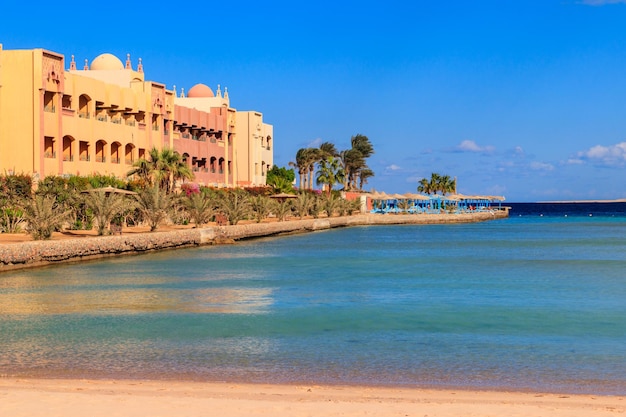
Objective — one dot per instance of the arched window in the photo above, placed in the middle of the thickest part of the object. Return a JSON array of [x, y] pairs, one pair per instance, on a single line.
[[115, 152], [68, 143], [129, 154], [100, 149], [83, 106]]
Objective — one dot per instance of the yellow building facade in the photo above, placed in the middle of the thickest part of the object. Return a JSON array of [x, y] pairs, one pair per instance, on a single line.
[[102, 117]]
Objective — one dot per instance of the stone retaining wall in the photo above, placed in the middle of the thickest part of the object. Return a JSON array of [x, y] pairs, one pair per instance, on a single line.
[[37, 253]]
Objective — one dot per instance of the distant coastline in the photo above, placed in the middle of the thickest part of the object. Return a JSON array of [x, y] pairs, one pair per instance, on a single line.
[[619, 200]]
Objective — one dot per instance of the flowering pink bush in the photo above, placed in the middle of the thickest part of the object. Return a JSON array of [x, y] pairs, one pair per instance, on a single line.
[[190, 188]]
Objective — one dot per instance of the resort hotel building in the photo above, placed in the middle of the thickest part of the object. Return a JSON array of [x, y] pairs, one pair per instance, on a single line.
[[59, 118]]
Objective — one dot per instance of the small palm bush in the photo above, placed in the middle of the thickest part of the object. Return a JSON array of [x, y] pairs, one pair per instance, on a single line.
[[154, 205], [261, 207], [235, 205], [44, 215]]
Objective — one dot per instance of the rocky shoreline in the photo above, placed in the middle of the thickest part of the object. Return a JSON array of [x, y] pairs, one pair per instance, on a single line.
[[40, 253]]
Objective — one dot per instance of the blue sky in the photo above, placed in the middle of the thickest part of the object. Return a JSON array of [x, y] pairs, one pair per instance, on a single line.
[[525, 99]]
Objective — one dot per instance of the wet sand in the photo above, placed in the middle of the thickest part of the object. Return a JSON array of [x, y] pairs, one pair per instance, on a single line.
[[74, 398]]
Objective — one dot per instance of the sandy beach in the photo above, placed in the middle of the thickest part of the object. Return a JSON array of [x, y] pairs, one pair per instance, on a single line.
[[69, 398]]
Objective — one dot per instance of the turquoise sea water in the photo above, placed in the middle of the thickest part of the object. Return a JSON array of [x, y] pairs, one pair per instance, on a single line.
[[526, 303]]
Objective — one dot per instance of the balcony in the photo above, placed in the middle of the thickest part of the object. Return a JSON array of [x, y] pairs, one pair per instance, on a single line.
[[49, 154], [49, 108], [115, 160], [128, 161], [185, 135], [84, 158], [84, 115], [68, 158], [117, 120], [102, 118], [101, 158]]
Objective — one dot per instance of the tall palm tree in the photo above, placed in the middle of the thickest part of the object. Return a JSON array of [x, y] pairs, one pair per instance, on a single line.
[[302, 165], [364, 175], [424, 186], [328, 149], [330, 173], [163, 166]]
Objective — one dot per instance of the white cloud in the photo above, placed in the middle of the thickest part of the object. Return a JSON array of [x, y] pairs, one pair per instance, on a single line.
[[518, 150], [392, 167], [601, 2], [541, 166], [614, 155], [315, 143], [471, 146]]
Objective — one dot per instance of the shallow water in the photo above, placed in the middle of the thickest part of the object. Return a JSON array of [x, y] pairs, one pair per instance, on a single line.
[[526, 303]]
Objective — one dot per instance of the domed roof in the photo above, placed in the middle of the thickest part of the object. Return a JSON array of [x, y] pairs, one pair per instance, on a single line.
[[200, 90], [106, 62]]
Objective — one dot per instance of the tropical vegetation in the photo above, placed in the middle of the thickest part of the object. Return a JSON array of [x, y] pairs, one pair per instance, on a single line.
[[331, 167], [443, 184]]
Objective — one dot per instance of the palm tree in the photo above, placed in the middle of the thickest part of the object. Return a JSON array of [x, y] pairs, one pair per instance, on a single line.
[[303, 204], [154, 205], [364, 175], [354, 160], [330, 173], [164, 167], [328, 149], [44, 216], [261, 207], [235, 205], [330, 205], [302, 165], [283, 209], [201, 208], [424, 186], [314, 155], [105, 207], [446, 184]]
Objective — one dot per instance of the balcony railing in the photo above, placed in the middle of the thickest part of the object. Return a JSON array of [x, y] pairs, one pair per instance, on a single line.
[[213, 140], [68, 158], [49, 154], [84, 158], [128, 161], [130, 123], [100, 158], [117, 120], [185, 135], [102, 118], [84, 115], [49, 108], [115, 160]]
